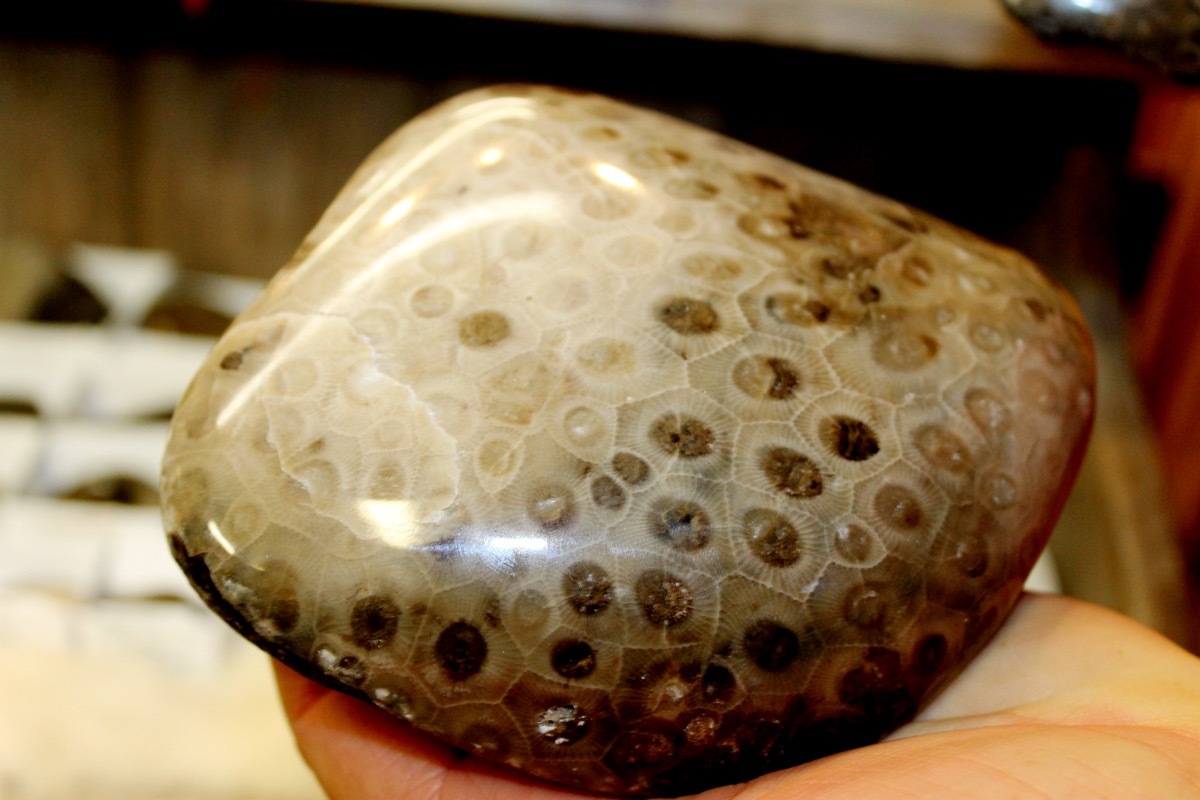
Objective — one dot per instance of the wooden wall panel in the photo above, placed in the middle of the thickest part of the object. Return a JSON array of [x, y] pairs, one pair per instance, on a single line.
[[238, 158], [226, 162], [1167, 150], [63, 151], [1166, 333]]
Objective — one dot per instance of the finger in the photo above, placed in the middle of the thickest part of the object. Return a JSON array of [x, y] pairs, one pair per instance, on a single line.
[[354, 749], [1052, 648], [1063, 660], [1015, 761], [358, 751], [296, 692]]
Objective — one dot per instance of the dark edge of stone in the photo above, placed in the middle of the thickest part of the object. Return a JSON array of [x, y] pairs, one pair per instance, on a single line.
[[847, 733], [198, 575]]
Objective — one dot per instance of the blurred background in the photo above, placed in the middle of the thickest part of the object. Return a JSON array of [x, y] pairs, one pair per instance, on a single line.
[[160, 160]]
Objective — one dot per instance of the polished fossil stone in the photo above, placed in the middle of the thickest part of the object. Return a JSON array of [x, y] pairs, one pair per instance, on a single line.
[[602, 446]]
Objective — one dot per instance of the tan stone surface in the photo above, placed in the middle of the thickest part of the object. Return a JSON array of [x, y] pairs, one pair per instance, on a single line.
[[571, 425]]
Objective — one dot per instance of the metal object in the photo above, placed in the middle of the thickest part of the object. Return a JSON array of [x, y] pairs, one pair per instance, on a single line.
[[1163, 32]]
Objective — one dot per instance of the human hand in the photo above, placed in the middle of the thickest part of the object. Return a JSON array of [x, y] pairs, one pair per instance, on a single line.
[[1068, 700]]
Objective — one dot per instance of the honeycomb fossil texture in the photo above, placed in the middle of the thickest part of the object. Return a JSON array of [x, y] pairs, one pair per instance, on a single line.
[[622, 453]]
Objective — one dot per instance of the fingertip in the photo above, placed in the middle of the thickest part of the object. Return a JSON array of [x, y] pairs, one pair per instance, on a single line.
[[297, 693]]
